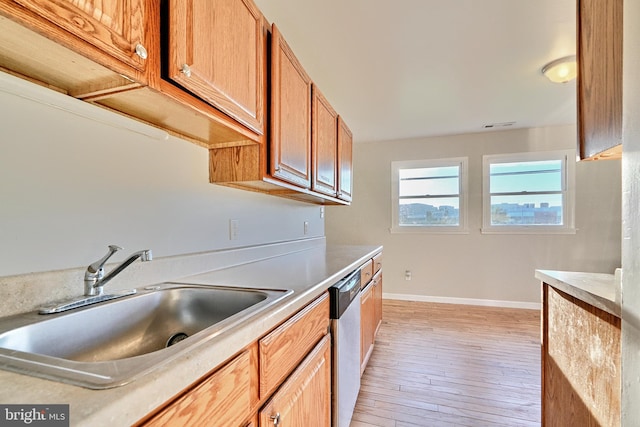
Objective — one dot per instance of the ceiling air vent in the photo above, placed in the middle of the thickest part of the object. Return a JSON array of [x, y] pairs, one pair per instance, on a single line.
[[498, 125]]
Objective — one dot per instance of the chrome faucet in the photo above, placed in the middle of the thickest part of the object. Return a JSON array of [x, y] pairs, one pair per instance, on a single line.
[[94, 281], [94, 278]]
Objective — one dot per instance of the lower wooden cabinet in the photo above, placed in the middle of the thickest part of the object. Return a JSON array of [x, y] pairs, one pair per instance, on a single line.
[[304, 399], [367, 330], [370, 308], [288, 371], [580, 363], [377, 302], [223, 399], [284, 347], [366, 273]]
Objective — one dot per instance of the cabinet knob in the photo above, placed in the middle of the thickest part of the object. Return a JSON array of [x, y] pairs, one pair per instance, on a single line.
[[276, 419], [186, 70], [141, 51]]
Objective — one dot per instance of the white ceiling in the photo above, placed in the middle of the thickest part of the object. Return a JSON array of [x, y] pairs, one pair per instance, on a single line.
[[411, 68]]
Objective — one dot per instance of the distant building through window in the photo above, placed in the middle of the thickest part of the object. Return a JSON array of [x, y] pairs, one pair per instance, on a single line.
[[429, 195], [529, 192]]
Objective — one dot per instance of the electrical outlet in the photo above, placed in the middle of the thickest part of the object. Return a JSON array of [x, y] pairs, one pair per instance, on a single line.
[[306, 228], [407, 275], [233, 229], [321, 211]]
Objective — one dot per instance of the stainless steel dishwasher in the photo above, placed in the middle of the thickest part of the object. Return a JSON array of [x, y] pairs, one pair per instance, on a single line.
[[345, 330]]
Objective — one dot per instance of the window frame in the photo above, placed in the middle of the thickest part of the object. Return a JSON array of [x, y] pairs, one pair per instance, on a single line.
[[462, 227], [567, 191]]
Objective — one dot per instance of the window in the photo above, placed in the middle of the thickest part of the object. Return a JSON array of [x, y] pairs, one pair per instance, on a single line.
[[529, 192], [429, 195]]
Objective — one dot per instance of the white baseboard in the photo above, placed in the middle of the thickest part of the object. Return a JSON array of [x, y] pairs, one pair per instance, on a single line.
[[465, 301]]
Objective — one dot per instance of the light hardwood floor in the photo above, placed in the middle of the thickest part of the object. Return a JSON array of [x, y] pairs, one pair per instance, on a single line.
[[452, 365]]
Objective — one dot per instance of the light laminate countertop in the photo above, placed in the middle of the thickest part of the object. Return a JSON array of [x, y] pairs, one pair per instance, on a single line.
[[307, 272], [597, 289]]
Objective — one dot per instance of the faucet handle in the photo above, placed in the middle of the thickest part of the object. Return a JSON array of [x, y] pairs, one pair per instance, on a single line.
[[98, 265]]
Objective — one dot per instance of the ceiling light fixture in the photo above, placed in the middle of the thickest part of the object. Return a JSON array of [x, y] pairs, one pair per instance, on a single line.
[[561, 70]]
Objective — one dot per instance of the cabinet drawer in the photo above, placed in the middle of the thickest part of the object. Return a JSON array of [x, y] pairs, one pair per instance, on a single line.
[[225, 397], [282, 350], [377, 263], [366, 273], [305, 398]]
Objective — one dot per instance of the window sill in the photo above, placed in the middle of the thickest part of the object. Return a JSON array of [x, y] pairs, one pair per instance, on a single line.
[[527, 230], [428, 230]]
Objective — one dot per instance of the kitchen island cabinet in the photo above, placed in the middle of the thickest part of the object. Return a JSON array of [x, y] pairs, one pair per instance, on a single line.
[[580, 350]]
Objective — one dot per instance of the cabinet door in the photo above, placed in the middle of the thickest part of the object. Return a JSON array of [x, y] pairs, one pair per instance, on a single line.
[[116, 27], [377, 303], [580, 363], [324, 145], [345, 161], [290, 115], [305, 398], [216, 51], [366, 273], [367, 328], [377, 262], [599, 84], [282, 349], [223, 399]]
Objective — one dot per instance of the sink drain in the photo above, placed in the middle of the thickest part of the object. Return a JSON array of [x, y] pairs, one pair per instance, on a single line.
[[176, 338]]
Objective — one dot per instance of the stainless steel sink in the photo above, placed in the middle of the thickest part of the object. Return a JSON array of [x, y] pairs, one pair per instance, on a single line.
[[112, 343]]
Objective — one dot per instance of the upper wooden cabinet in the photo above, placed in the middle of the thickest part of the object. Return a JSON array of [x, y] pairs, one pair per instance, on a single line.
[[217, 51], [198, 70], [290, 143], [599, 54], [345, 161], [324, 145], [116, 27], [83, 49]]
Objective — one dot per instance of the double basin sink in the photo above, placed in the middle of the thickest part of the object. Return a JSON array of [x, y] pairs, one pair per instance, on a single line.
[[112, 343]]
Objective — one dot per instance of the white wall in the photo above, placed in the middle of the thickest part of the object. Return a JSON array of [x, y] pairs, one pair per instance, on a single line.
[[69, 186], [475, 265], [631, 216]]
